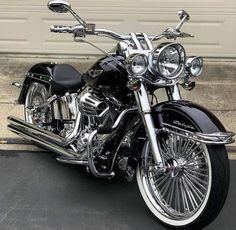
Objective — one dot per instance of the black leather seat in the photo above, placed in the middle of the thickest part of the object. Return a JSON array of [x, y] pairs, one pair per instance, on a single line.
[[65, 79]]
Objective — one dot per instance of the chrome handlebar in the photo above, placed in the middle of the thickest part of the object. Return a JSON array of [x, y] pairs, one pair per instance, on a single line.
[[81, 31], [61, 29]]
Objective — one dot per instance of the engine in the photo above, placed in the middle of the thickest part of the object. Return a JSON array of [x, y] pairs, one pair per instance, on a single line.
[[99, 111]]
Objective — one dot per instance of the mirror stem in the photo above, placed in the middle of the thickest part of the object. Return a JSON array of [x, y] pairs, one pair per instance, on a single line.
[[77, 17], [181, 23]]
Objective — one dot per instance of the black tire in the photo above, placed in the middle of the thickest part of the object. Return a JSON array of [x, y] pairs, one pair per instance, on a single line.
[[220, 171]]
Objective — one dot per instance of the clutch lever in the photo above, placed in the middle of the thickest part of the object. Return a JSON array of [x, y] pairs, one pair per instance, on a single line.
[[172, 33], [186, 35]]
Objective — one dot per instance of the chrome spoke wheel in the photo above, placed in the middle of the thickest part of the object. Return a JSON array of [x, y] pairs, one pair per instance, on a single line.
[[37, 95], [179, 193]]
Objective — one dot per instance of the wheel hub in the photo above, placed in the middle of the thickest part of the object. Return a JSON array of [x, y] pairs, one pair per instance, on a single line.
[[175, 167]]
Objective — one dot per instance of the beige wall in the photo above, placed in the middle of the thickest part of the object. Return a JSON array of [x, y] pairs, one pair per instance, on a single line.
[[25, 24]]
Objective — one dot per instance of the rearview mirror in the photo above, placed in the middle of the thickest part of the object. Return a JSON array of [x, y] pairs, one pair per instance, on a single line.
[[183, 14], [59, 6]]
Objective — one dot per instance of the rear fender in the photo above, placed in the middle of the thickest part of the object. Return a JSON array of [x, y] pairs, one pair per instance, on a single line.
[[41, 73]]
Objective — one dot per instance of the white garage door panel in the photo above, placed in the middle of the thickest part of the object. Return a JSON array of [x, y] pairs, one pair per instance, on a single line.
[[25, 24]]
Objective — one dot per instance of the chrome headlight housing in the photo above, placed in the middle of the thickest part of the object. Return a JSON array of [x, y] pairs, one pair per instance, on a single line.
[[194, 66], [168, 60], [137, 64]]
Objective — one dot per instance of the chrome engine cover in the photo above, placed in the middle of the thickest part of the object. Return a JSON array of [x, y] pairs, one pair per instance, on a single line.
[[91, 105], [66, 107]]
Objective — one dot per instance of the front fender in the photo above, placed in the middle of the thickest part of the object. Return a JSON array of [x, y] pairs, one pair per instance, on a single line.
[[186, 115]]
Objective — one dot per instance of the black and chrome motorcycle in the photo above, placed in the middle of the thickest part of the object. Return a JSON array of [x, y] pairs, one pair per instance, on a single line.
[[109, 120]]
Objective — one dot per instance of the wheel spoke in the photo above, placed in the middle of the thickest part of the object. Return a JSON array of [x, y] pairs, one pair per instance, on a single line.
[[171, 193], [167, 149], [194, 190], [165, 154], [194, 186], [199, 158], [191, 151], [195, 168], [196, 180], [164, 189], [162, 181], [187, 147], [180, 141], [190, 195], [171, 146], [178, 196], [184, 197], [197, 173], [194, 155]]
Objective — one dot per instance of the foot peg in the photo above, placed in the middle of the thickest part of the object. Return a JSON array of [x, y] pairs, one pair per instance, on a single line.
[[16, 84]]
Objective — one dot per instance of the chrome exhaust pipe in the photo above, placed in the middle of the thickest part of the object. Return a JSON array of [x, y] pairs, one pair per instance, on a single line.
[[39, 136], [44, 134], [46, 144], [28, 128]]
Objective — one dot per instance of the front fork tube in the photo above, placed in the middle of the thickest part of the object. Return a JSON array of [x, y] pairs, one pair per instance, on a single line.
[[143, 103], [173, 93]]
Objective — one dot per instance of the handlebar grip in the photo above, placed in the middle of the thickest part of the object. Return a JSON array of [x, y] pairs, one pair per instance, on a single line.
[[61, 29]]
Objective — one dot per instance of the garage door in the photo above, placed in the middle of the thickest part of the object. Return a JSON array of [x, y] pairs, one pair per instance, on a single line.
[[25, 24]]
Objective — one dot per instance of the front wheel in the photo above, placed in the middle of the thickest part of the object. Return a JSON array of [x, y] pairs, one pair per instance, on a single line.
[[192, 189]]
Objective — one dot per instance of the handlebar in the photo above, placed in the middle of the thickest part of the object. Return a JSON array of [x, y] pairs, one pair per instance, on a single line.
[[61, 29], [81, 31]]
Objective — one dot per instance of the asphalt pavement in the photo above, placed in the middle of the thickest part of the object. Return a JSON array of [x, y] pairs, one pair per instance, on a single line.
[[38, 193]]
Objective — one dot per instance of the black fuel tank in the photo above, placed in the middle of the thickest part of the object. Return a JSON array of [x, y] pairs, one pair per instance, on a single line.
[[106, 72]]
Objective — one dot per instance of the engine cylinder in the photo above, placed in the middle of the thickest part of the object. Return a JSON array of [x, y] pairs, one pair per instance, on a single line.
[[91, 105]]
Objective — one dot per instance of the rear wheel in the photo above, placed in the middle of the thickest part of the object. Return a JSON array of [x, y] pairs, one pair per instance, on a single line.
[[191, 191], [37, 94]]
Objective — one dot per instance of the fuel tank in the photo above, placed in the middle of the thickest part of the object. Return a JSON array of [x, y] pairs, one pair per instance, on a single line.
[[109, 74], [106, 71]]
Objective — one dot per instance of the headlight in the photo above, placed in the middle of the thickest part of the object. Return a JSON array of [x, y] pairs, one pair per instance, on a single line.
[[194, 65], [168, 60], [137, 64]]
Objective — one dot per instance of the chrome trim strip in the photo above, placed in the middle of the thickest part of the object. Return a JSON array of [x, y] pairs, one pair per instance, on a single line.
[[219, 138]]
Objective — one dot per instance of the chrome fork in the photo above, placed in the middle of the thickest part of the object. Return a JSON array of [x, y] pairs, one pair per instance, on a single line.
[[173, 93], [143, 103]]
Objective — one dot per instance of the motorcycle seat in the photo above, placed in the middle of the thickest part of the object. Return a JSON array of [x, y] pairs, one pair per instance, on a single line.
[[65, 78]]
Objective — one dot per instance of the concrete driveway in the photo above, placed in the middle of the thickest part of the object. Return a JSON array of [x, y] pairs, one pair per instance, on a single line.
[[38, 193]]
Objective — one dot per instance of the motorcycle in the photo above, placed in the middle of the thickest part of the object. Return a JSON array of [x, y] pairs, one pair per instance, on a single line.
[[109, 120]]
